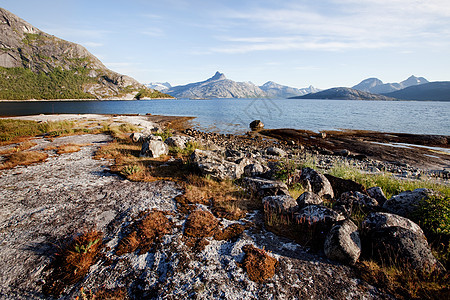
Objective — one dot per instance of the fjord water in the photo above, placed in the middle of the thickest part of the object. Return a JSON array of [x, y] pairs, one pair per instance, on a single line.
[[234, 115]]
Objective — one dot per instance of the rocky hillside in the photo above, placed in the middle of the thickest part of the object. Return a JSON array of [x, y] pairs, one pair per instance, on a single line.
[[343, 93], [435, 91], [217, 86], [37, 65], [275, 90], [376, 86]]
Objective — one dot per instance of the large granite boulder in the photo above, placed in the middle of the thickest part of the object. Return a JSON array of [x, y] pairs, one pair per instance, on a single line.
[[341, 186], [154, 148], [407, 202], [317, 183], [280, 204], [265, 187], [214, 164], [377, 194], [308, 198], [342, 243], [391, 239]]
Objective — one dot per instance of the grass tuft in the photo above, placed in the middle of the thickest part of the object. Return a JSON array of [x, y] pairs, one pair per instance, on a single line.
[[23, 158]]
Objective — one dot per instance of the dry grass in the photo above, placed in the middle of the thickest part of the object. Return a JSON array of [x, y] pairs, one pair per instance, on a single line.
[[69, 148], [200, 224], [258, 264], [20, 147], [72, 263], [406, 283], [23, 158], [147, 231], [231, 232]]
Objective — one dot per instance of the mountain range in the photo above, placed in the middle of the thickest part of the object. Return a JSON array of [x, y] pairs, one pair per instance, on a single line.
[[37, 65], [343, 93], [376, 86], [218, 86]]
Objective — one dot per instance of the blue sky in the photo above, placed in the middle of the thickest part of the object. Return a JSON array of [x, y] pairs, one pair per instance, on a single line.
[[296, 43]]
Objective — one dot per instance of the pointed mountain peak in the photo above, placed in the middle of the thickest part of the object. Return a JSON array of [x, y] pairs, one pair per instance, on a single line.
[[217, 76]]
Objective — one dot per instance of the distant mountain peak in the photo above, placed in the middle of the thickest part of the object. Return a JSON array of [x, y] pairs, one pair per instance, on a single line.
[[217, 76]]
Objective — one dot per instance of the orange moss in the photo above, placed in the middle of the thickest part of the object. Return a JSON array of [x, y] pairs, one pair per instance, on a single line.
[[231, 232], [258, 264], [200, 224]]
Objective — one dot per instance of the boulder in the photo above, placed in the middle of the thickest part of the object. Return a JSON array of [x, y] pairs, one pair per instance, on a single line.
[[177, 141], [275, 151], [137, 137], [256, 125], [255, 169], [308, 198], [349, 201], [406, 202], [154, 148], [342, 243], [265, 187], [152, 137], [392, 245], [214, 164], [317, 183], [280, 204], [340, 185], [377, 194], [379, 220]]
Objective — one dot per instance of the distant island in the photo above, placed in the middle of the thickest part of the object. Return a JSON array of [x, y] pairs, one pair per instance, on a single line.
[[343, 93], [37, 65]]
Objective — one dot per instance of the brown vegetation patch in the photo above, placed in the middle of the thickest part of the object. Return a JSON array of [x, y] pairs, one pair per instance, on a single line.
[[229, 210], [201, 223], [115, 294], [23, 158], [69, 148], [259, 265], [72, 263], [231, 232], [406, 283], [147, 231]]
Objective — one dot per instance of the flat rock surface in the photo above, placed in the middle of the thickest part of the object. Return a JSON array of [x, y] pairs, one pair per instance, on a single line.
[[42, 204]]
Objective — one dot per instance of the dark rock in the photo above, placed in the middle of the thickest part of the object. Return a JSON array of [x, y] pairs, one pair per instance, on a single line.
[[275, 151], [343, 152], [256, 125], [377, 193], [255, 169], [317, 183], [177, 141], [351, 201], [265, 187], [213, 164], [344, 185], [281, 204], [406, 202], [308, 198], [342, 243], [379, 220], [137, 137]]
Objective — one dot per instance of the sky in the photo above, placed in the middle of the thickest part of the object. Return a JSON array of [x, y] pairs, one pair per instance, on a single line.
[[296, 43]]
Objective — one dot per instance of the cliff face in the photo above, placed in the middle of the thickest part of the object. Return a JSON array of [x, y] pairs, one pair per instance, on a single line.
[[79, 74]]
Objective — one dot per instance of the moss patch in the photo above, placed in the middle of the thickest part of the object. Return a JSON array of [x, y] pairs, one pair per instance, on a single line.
[[259, 265]]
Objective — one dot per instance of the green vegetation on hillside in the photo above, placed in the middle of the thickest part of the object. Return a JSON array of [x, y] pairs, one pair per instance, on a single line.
[[150, 94], [23, 84]]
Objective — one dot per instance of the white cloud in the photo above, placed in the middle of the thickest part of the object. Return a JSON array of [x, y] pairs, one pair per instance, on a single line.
[[153, 32]]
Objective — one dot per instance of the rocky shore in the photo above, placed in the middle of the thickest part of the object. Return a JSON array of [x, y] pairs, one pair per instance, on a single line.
[[47, 203]]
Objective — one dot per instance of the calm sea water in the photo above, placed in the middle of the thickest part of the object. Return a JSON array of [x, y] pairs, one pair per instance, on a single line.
[[234, 115]]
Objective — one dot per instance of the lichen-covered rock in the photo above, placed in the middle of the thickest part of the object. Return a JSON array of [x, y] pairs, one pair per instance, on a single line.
[[275, 151], [377, 193], [350, 201], [282, 204], [342, 243], [308, 198], [317, 183], [406, 202], [265, 187], [154, 149], [379, 220], [177, 141], [213, 164], [137, 137]]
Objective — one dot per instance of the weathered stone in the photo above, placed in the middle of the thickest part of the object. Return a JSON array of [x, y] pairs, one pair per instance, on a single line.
[[282, 204], [340, 185], [394, 244], [265, 187], [308, 198], [154, 148], [177, 141], [255, 169], [137, 137], [342, 243], [379, 220], [211, 163], [317, 183], [256, 125], [377, 193], [406, 202], [275, 151], [350, 201]]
